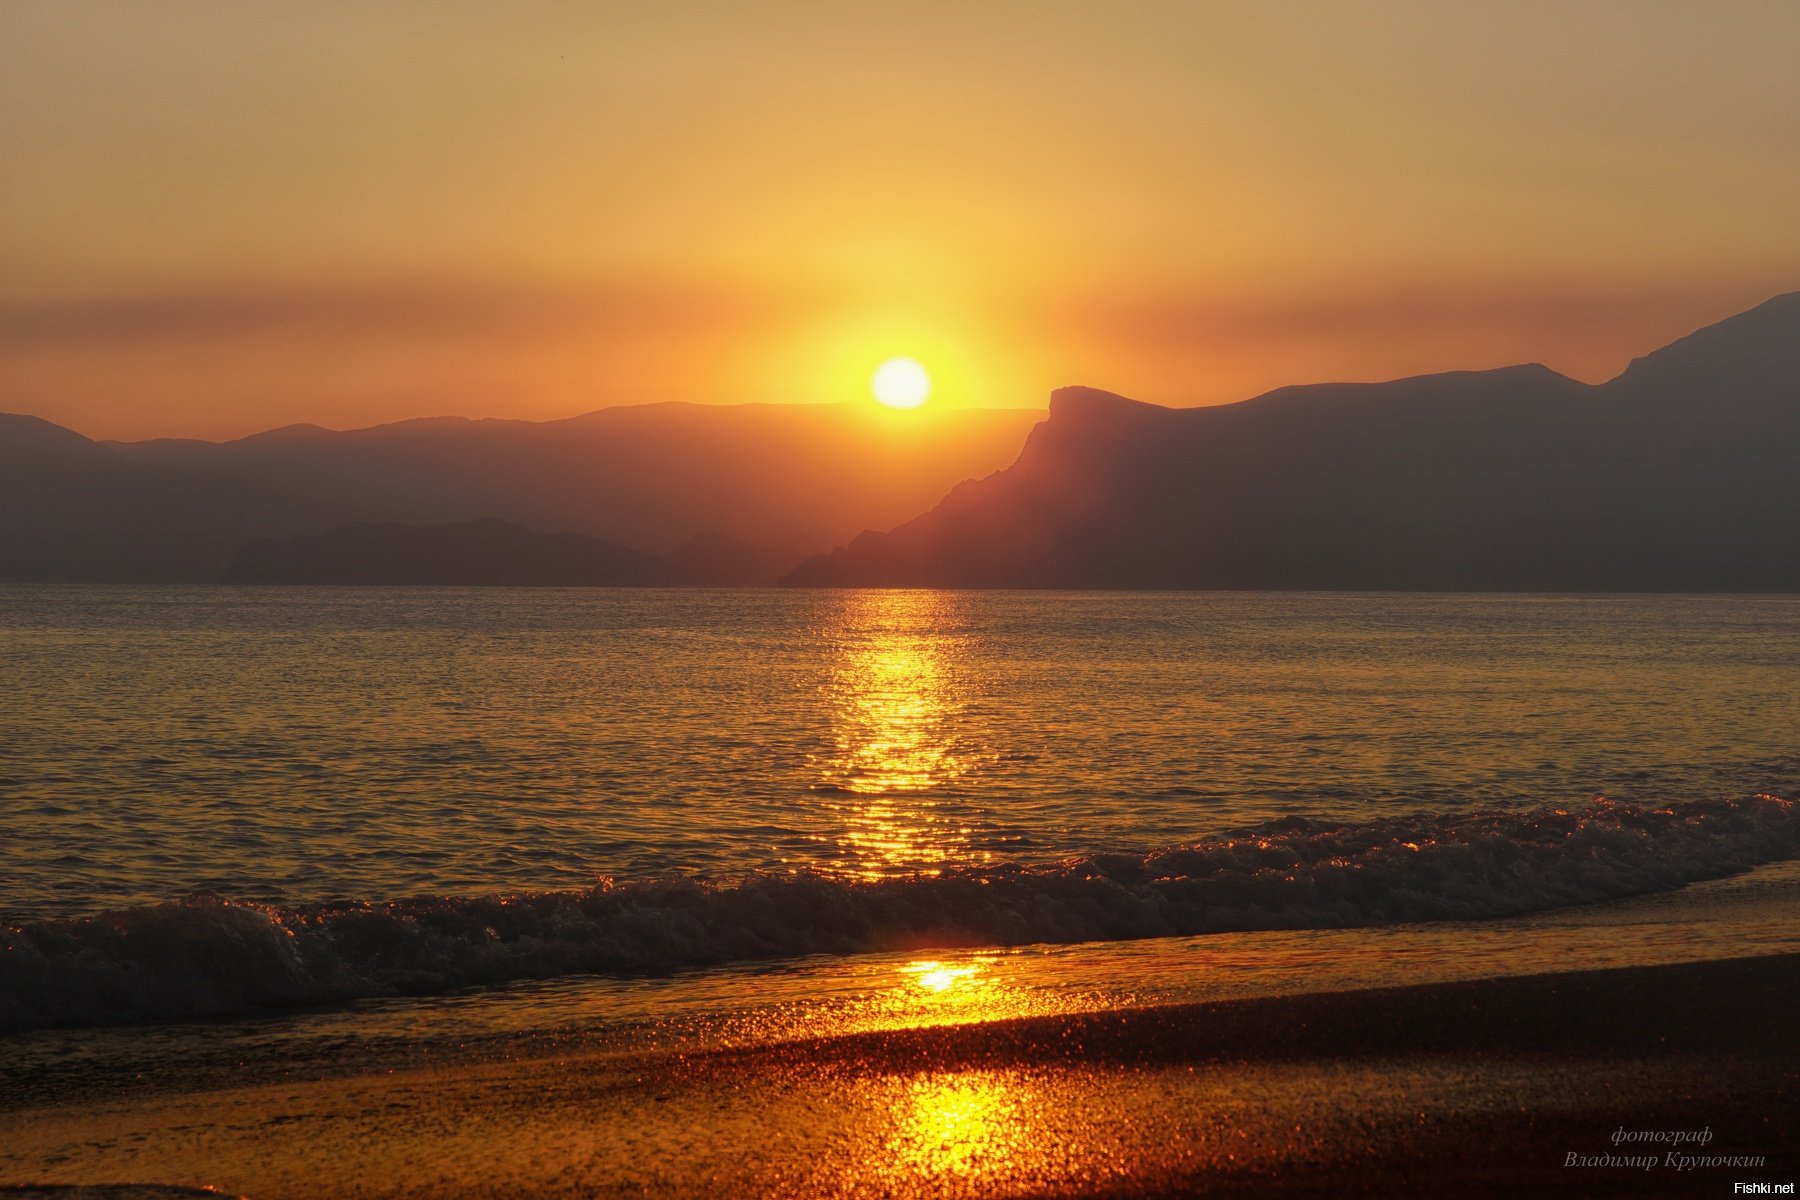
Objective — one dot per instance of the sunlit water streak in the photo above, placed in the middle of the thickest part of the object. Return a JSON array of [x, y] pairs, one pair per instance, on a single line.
[[302, 745], [899, 707]]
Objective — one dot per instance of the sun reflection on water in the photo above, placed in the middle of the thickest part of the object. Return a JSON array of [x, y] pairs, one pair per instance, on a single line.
[[898, 734], [936, 977], [953, 992], [989, 986], [893, 695]]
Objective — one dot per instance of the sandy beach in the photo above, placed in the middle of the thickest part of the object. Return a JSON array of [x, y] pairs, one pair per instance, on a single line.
[[1486, 1087]]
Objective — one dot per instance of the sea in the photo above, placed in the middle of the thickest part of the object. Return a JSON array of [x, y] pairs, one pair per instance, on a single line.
[[334, 816]]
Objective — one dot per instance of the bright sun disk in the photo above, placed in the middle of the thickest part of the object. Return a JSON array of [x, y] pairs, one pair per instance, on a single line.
[[901, 383]]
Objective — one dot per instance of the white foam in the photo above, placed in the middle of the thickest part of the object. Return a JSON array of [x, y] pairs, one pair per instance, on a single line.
[[208, 956]]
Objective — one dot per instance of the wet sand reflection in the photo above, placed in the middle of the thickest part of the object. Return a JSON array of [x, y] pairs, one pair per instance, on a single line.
[[950, 1125]]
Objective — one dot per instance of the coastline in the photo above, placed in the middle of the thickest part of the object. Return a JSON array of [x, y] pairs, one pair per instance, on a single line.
[[1475, 1087]]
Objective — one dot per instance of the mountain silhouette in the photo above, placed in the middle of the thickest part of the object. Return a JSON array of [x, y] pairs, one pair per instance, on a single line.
[[714, 560], [793, 478], [1676, 475], [495, 553]]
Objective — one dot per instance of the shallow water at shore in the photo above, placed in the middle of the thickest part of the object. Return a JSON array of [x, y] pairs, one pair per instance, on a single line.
[[752, 1005], [1232, 1064]]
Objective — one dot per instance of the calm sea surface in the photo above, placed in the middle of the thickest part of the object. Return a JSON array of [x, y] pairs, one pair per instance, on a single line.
[[300, 745]]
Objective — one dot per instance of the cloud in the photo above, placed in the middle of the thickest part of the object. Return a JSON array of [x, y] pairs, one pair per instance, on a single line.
[[405, 310], [228, 362], [1384, 331]]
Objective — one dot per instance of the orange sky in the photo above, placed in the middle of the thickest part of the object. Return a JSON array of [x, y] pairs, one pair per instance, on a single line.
[[216, 218]]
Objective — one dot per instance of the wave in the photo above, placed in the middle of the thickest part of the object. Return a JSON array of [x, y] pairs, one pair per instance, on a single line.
[[208, 957]]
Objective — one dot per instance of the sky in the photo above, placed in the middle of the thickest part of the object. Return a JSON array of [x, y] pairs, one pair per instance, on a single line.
[[219, 218]]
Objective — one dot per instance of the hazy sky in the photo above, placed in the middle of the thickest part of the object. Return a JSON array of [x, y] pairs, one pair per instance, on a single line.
[[215, 218]]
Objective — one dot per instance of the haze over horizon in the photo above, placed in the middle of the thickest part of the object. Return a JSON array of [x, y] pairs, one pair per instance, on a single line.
[[217, 222], [911, 428]]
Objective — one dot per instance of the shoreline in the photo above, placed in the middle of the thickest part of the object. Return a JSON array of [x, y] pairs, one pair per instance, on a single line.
[[208, 956], [1475, 1087]]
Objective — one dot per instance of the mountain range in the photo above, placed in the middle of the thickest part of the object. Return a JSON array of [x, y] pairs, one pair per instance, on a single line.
[[1680, 474], [1676, 475], [494, 553], [791, 479]]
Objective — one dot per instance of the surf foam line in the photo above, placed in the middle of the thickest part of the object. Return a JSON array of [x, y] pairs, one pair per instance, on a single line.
[[208, 957]]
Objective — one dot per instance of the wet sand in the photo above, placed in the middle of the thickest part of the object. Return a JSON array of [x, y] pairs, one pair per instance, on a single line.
[[1478, 1088]]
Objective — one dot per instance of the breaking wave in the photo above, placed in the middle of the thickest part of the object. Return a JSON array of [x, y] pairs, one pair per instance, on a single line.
[[208, 956]]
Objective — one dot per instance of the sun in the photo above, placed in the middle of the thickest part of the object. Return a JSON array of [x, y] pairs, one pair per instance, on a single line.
[[901, 383]]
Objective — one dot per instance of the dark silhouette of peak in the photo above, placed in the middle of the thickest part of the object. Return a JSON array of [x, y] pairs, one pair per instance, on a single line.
[[1753, 358], [24, 439], [64, 497], [286, 434], [1676, 476], [1080, 403], [1500, 385], [1765, 333]]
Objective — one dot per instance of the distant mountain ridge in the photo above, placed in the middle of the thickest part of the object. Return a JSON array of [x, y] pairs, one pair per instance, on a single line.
[[794, 478], [494, 553], [1677, 475]]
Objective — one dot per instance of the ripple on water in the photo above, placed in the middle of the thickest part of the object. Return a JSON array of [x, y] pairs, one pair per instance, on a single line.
[[292, 745]]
